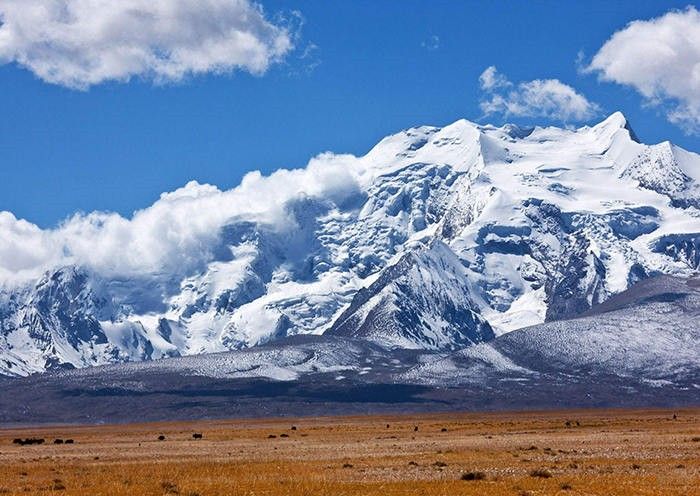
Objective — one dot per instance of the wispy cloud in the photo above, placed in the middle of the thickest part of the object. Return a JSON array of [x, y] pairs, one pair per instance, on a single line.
[[309, 58], [548, 98], [659, 58], [80, 43], [431, 43], [491, 79]]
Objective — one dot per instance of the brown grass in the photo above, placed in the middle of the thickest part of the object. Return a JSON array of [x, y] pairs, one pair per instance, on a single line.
[[641, 453]]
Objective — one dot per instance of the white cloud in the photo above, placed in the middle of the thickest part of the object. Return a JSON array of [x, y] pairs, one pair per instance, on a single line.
[[23, 246], [548, 98], [176, 234], [660, 58], [491, 79], [80, 43]]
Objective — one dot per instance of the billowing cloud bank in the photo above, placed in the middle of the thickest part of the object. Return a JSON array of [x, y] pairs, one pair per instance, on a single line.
[[174, 235], [660, 58], [548, 98], [80, 43]]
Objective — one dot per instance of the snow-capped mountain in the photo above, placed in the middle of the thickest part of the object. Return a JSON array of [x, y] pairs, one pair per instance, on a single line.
[[641, 348], [437, 238]]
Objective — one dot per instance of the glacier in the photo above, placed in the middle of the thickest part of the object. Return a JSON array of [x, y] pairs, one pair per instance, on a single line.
[[439, 239]]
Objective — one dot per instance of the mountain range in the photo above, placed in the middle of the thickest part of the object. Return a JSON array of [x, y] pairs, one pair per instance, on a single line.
[[639, 348], [445, 256]]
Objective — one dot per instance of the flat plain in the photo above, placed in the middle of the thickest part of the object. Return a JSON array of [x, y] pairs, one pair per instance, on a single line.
[[593, 452]]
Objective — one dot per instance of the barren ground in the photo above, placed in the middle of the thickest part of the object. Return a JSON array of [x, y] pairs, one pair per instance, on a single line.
[[603, 452]]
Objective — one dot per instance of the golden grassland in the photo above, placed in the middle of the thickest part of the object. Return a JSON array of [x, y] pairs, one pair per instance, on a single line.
[[604, 452]]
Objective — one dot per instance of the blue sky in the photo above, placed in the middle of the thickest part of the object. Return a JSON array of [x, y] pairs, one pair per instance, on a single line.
[[377, 67]]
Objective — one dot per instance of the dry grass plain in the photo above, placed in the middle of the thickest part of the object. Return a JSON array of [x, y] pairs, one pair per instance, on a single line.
[[598, 453]]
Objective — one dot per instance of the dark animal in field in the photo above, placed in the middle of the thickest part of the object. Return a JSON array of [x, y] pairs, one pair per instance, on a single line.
[[58, 441], [474, 476], [161, 438], [415, 429], [294, 427], [196, 435], [29, 441], [69, 441]]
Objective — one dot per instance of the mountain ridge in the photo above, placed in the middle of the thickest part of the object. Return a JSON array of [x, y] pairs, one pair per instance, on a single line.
[[539, 224], [641, 352]]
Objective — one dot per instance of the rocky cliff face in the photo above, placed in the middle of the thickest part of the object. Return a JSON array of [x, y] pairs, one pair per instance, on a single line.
[[422, 301]]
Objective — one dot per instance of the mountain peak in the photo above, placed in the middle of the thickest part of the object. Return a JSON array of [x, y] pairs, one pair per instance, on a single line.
[[618, 118], [614, 122], [422, 301]]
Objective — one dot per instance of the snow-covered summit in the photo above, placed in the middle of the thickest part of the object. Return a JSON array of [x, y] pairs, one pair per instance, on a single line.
[[422, 301], [492, 228]]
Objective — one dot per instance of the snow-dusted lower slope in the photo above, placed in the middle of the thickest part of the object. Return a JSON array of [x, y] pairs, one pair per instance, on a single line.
[[648, 334], [533, 225], [641, 348]]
